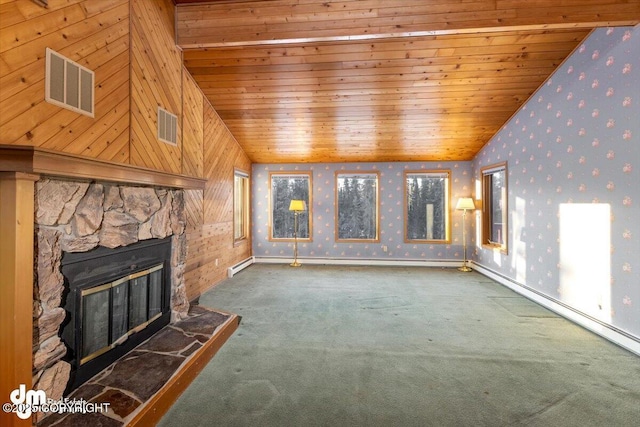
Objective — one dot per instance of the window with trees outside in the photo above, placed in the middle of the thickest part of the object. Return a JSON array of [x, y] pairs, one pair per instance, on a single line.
[[240, 205], [357, 206], [494, 206], [427, 206], [284, 188]]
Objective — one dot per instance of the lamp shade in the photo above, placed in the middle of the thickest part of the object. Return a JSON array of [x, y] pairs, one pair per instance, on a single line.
[[465, 203], [298, 205]]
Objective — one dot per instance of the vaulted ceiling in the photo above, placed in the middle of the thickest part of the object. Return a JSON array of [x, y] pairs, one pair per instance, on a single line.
[[378, 80]]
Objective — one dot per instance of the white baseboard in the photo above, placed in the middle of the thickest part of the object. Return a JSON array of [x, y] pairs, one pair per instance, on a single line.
[[240, 266], [608, 332], [359, 261]]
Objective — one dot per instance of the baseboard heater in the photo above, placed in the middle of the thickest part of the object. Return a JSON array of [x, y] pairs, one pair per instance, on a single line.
[[359, 261], [240, 266], [609, 332]]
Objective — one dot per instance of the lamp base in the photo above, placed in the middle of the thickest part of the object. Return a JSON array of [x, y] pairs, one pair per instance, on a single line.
[[465, 268], [295, 264]]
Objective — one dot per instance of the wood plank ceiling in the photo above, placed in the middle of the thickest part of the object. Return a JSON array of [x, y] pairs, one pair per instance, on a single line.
[[375, 80]]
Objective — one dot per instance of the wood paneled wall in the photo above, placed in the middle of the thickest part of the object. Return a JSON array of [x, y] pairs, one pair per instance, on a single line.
[[130, 45], [211, 245], [192, 125], [156, 80], [93, 34]]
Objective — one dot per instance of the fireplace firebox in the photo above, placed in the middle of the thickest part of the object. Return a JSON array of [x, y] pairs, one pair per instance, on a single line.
[[115, 299]]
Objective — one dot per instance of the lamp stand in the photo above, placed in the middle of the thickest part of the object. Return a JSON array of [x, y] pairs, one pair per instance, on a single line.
[[295, 262], [464, 267]]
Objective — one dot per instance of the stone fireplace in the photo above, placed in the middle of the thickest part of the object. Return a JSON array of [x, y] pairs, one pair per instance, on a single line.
[[114, 300], [89, 219]]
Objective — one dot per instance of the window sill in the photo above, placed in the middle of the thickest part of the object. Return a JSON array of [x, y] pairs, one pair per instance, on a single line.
[[496, 248], [239, 242], [427, 242], [357, 240]]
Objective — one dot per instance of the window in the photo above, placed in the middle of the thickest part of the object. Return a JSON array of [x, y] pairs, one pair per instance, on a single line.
[[357, 206], [284, 188], [240, 206], [427, 206], [494, 206]]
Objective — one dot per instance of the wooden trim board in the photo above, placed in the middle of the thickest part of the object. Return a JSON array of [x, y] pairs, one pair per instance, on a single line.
[[16, 287], [18, 158]]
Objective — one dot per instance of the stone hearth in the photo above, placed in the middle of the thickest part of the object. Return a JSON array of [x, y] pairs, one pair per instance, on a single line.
[[131, 382], [77, 216]]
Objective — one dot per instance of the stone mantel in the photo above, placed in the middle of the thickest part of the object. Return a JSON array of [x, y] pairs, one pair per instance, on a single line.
[[34, 160]]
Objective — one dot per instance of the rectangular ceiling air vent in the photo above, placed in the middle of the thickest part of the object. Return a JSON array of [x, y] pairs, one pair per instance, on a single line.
[[69, 84], [167, 127]]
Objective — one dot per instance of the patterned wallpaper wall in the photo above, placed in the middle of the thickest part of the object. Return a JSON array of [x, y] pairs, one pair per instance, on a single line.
[[324, 245], [573, 154]]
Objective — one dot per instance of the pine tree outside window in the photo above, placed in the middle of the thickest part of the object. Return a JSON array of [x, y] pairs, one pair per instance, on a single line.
[[285, 187], [427, 213], [357, 206]]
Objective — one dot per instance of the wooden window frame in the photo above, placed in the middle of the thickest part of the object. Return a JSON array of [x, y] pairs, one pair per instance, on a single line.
[[487, 202], [245, 207], [337, 213], [447, 206], [309, 175]]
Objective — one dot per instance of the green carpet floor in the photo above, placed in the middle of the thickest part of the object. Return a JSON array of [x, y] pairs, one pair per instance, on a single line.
[[384, 346]]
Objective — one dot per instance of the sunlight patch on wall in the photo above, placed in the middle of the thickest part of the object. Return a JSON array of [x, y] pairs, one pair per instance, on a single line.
[[497, 257], [585, 258], [519, 258]]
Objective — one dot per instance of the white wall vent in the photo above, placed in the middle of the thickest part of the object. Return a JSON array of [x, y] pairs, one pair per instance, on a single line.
[[167, 127], [69, 84]]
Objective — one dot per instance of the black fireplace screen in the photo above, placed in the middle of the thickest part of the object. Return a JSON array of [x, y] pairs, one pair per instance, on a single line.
[[115, 310], [115, 299]]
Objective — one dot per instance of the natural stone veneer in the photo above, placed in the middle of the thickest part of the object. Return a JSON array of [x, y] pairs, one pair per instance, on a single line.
[[77, 217], [130, 383]]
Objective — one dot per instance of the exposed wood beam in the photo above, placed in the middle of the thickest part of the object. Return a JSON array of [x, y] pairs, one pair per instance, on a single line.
[[270, 22]]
